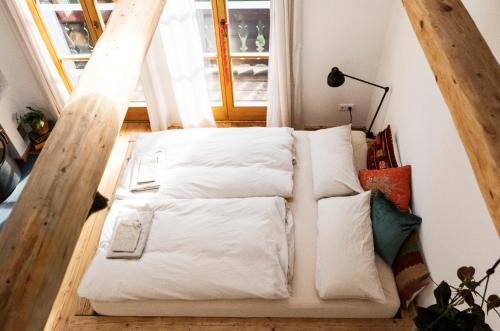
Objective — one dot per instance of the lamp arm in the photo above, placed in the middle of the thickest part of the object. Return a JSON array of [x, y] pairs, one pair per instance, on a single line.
[[338, 79], [366, 82], [369, 134]]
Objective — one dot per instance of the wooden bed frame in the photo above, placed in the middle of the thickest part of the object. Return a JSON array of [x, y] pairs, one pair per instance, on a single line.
[[44, 234], [71, 312]]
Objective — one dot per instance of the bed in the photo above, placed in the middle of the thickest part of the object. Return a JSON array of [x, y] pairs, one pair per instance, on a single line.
[[304, 301]]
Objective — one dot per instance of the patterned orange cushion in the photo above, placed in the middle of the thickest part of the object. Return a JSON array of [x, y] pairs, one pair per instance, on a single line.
[[393, 182]]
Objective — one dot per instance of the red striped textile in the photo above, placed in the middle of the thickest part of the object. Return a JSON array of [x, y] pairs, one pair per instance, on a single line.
[[381, 152]]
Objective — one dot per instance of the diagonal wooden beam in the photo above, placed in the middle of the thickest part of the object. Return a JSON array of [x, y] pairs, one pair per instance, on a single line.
[[469, 78], [40, 235]]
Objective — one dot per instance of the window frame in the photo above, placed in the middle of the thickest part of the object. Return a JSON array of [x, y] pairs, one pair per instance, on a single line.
[[95, 25], [229, 111]]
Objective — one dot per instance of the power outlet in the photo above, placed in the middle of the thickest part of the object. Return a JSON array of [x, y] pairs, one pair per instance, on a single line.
[[346, 106]]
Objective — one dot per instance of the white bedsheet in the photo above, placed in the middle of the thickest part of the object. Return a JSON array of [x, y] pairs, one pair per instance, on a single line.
[[199, 249], [219, 163]]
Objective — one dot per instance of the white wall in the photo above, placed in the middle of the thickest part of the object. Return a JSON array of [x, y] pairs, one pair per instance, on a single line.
[[347, 34], [19, 87], [457, 229]]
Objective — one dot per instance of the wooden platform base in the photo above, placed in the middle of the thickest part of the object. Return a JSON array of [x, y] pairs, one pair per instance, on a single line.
[[87, 323], [70, 312]]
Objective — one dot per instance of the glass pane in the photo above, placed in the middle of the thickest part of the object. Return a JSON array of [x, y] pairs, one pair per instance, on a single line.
[[250, 82], [205, 22], [212, 78], [65, 22], [74, 70], [248, 26], [106, 7]]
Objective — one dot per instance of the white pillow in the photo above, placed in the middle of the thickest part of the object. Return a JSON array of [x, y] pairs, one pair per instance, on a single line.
[[345, 257], [333, 170], [360, 149]]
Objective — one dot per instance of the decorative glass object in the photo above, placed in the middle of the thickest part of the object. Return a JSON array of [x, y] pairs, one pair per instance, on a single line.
[[78, 38], [260, 41], [243, 34]]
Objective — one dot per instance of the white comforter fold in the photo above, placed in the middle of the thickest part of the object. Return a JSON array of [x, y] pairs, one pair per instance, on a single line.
[[198, 249], [219, 163]]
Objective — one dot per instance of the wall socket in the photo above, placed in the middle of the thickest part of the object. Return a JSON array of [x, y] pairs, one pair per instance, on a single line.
[[345, 106]]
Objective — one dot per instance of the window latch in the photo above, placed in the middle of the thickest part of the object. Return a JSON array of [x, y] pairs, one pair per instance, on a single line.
[[224, 26]]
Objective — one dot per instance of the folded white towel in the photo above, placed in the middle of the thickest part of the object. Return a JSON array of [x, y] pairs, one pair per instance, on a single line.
[[126, 236], [130, 236], [144, 172]]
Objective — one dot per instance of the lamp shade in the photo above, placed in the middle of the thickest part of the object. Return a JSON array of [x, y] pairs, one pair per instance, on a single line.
[[335, 78]]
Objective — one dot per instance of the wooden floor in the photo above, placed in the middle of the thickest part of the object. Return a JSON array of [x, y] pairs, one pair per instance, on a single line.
[[70, 312]]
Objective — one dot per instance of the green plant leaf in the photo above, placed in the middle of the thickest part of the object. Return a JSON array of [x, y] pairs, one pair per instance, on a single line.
[[425, 317], [492, 302], [34, 118], [472, 285], [442, 293], [437, 308], [467, 296], [465, 320], [431, 320], [472, 319], [482, 327], [478, 312], [466, 273]]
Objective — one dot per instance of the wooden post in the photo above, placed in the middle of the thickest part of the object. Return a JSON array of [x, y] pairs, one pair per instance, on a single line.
[[40, 235], [469, 78]]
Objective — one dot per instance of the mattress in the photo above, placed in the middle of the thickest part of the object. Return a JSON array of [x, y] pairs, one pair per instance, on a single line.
[[304, 301]]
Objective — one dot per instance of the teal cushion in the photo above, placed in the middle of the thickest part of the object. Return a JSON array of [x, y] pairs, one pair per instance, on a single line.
[[391, 227]]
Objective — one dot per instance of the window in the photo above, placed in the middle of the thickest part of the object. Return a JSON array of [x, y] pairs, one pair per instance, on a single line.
[[235, 38], [234, 33], [70, 29]]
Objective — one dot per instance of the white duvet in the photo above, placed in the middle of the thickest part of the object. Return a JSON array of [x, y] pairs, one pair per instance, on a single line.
[[219, 163], [198, 249]]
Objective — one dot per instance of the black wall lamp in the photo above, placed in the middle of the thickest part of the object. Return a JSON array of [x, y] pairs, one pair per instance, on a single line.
[[336, 78]]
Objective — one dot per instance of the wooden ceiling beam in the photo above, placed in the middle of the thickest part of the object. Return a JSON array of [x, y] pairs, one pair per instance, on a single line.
[[468, 75], [40, 235]]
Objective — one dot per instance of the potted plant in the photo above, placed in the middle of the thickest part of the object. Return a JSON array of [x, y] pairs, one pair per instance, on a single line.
[[445, 315], [35, 120]]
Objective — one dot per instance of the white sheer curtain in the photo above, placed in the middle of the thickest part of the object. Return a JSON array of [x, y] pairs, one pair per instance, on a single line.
[[284, 100], [173, 73], [37, 54]]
